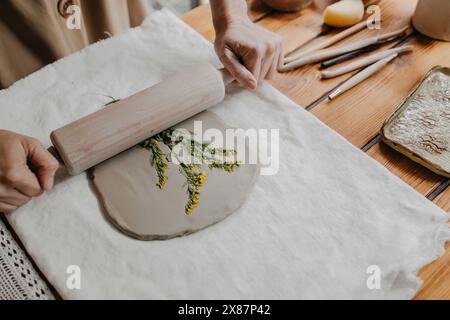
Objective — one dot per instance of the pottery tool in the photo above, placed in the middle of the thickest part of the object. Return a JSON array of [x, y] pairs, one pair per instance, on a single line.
[[360, 77], [99, 136], [334, 39], [356, 53], [333, 52], [329, 42], [361, 63]]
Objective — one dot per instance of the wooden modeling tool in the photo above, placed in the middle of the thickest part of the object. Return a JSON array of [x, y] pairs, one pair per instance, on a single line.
[[361, 63], [321, 55], [329, 42], [360, 77], [99, 136], [334, 39], [356, 53]]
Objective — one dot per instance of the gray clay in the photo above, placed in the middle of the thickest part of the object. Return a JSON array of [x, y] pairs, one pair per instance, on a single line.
[[127, 192]]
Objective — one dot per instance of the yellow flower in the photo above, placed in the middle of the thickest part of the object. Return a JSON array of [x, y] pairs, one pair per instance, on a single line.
[[202, 179], [162, 183], [229, 168]]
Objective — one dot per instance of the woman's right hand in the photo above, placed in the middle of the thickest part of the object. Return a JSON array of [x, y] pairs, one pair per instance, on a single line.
[[18, 183]]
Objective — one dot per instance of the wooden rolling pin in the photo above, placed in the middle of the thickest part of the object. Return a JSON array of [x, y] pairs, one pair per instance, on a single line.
[[99, 136]]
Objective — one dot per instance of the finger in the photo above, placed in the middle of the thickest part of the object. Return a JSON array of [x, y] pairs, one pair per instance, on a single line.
[[267, 61], [14, 197], [23, 180], [15, 202], [7, 208], [275, 64], [255, 65], [237, 70], [281, 59], [45, 163], [266, 66]]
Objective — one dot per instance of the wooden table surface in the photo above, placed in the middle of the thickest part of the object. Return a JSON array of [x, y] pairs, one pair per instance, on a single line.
[[358, 114]]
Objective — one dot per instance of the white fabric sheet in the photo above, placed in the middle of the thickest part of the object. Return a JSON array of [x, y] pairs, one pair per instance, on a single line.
[[311, 231]]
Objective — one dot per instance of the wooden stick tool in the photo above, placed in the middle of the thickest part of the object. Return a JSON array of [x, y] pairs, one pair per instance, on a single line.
[[364, 62], [356, 53], [336, 38], [328, 42], [360, 77], [333, 52]]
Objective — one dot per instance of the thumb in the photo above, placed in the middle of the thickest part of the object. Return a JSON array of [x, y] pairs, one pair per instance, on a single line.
[[237, 69], [44, 162]]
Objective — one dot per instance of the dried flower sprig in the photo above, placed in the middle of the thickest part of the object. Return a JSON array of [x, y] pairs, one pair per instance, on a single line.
[[157, 159], [195, 181], [195, 177], [217, 162], [202, 152]]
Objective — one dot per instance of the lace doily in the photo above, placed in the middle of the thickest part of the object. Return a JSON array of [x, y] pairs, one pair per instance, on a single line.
[[18, 279]]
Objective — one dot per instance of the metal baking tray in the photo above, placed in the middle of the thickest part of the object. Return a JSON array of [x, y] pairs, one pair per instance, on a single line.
[[420, 126]]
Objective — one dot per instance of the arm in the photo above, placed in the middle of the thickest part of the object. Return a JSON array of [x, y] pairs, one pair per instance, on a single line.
[[249, 52], [18, 184]]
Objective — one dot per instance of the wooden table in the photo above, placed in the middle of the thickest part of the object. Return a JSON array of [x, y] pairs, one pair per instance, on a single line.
[[359, 114]]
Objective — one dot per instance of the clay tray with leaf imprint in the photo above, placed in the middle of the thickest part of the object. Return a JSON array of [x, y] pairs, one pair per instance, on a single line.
[[420, 127]]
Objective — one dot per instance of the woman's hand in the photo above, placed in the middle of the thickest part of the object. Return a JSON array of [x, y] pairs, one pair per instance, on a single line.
[[18, 184], [249, 52]]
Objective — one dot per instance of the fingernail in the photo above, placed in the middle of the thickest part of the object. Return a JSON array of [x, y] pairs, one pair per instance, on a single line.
[[252, 84]]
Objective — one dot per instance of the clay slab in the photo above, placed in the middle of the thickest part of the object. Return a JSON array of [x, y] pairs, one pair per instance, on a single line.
[[127, 192]]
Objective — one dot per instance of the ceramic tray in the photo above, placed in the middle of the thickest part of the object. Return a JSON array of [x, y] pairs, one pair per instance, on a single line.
[[420, 127]]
